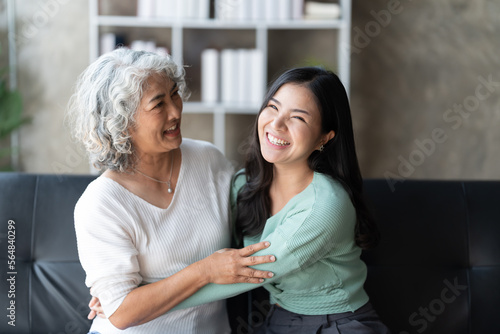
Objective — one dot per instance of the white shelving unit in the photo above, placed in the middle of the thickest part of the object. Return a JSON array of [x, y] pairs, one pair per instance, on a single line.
[[261, 28]]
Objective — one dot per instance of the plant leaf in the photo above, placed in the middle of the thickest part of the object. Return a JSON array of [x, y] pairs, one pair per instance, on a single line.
[[10, 112]]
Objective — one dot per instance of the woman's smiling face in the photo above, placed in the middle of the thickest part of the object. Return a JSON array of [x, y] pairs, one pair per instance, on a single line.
[[158, 118], [289, 127]]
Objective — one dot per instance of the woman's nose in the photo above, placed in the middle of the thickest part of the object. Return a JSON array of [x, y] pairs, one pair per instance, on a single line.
[[175, 110], [279, 122]]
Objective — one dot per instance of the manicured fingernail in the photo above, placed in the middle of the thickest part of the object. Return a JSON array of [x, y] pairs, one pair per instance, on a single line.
[[272, 258], [267, 244], [270, 274], [261, 280]]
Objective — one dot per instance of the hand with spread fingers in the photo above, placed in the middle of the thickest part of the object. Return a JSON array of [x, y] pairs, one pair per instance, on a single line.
[[227, 266]]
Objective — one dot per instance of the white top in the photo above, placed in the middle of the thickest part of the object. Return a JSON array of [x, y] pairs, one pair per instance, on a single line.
[[124, 241]]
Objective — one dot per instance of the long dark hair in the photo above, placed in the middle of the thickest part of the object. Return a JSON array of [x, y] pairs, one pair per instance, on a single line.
[[338, 159]]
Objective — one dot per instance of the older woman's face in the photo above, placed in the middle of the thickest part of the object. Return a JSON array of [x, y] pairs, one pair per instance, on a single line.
[[158, 118]]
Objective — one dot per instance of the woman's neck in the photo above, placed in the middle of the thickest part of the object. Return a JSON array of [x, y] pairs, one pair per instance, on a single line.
[[292, 177], [288, 182], [157, 166]]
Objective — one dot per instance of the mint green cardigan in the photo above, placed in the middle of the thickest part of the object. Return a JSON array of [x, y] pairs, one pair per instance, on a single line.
[[318, 269]]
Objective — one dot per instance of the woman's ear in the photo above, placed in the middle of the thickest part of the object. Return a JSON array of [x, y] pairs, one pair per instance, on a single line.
[[327, 137]]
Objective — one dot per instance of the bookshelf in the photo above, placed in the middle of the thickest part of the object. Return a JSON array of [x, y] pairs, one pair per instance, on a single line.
[[186, 39]]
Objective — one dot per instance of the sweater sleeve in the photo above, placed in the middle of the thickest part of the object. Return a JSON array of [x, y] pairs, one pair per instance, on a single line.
[[106, 251], [286, 263], [309, 231]]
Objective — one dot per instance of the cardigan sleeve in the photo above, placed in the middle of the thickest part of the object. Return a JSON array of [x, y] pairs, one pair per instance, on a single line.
[[318, 225]]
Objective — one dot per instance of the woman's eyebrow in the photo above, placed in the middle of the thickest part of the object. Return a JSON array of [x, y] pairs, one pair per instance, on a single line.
[[162, 95], [157, 97], [296, 110], [301, 111], [274, 100]]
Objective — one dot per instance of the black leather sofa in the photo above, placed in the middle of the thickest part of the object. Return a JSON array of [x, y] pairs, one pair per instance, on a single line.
[[436, 270]]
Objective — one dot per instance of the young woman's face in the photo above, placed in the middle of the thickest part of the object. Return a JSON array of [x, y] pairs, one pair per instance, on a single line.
[[158, 118], [289, 127]]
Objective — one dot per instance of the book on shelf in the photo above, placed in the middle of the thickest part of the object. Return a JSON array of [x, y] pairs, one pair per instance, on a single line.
[[259, 10], [174, 9], [229, 70], [239, 10], [232, 76], [210, 76], [146, 8]]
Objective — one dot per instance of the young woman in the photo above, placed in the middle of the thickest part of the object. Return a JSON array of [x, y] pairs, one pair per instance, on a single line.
[[301, 190]]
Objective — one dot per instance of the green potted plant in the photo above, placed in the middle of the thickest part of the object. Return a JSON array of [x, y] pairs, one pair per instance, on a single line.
[[11, 117]]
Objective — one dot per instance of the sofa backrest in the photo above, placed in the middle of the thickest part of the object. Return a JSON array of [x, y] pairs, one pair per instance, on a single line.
[[44, 290], [437, 268]]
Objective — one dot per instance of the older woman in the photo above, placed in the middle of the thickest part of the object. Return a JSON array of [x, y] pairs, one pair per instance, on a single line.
[[148, 227]]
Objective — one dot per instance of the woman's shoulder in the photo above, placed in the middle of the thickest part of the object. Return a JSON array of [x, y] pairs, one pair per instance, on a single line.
[[102, 192], [201, 154], [239, 179], [327, 188], [327, 197], [200, 147]]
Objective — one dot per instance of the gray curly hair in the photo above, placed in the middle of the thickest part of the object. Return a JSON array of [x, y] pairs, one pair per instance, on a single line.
[[106, 98]]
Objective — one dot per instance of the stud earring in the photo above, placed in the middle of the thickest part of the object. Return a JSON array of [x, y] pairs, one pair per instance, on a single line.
[[321, 148]]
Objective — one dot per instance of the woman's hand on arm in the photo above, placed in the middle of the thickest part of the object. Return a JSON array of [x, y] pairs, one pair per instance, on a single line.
[[150, 301], [228, 266]]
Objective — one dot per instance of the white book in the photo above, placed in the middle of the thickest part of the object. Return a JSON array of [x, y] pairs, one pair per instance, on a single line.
[[244, 67], [257, 78], [297, 9], [210, 76], [182, 9], [226, 10], [217, 12], [191, 9], [271, 10], [107, 43], [165, 9], [284, 10], [258, 10], [203, 11], [244, 10], [229, 71], [146, 8]]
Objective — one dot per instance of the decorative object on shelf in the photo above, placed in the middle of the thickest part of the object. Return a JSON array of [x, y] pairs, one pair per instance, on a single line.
[[321, 11], [110, 41]]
